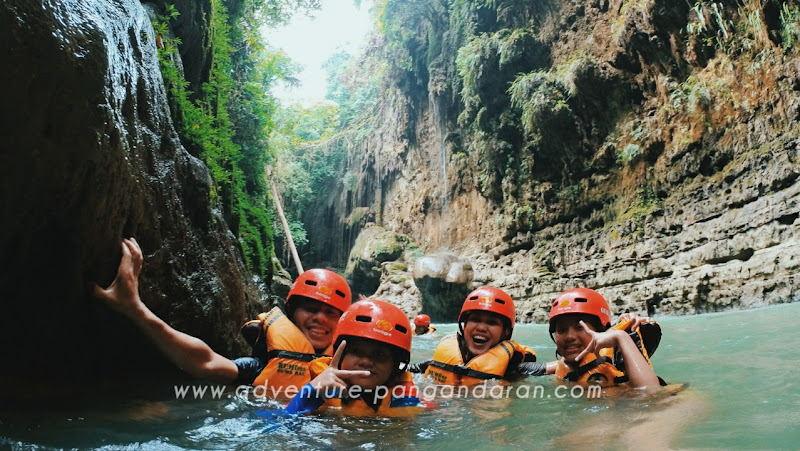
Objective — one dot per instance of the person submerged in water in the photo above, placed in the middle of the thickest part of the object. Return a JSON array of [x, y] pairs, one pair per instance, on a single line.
[[482, 348], [314, 304], [591, 351], [422, 325], [366, 375]]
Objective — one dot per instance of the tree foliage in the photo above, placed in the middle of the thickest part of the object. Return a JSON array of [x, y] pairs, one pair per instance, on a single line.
[[309, 149], [303, 167], [354, 85], [229, 122]]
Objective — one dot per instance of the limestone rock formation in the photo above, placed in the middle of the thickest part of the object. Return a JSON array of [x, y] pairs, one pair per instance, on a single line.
[[373, 247], [397, 285], [444, 280], [648, 150]]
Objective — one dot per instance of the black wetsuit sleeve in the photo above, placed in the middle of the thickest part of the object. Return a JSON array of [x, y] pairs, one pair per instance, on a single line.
[[532, 369], [249, 369], [418, 367]]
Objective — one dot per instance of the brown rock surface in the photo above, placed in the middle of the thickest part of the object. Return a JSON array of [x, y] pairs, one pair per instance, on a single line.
[[89, 156]]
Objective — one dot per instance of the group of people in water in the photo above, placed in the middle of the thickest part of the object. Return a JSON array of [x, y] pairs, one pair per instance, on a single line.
[[356, 356]]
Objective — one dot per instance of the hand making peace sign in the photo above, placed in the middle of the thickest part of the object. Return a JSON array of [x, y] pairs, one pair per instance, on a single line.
[[600, 340], [333, 377]]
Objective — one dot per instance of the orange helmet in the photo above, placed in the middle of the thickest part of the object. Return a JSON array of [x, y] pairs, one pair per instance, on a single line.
[[581, 300], [489, 299], [379, 321], [422, 320], [323, 286]]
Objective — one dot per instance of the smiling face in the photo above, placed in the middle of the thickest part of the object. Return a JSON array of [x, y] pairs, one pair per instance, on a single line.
[[483, 331], [372, 356], [570, 337], [316, 320]]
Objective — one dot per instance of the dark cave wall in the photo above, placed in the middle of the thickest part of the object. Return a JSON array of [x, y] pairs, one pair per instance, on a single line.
[[90, 155]]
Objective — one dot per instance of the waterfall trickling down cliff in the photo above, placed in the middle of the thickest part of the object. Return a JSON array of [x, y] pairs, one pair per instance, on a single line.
[[438, 107], [90, 155]]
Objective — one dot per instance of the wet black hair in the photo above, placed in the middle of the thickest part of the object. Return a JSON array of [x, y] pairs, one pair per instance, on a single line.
[[290, 305], [588, 319], [400, 357]]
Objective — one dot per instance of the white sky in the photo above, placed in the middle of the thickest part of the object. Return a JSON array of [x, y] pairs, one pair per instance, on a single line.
[[309, 42]]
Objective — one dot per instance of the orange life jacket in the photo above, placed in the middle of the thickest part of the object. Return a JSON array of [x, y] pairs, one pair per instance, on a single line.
[[287, 351], [401, 400], [592, 369], [448, 367], [608, 367], [646, 337]]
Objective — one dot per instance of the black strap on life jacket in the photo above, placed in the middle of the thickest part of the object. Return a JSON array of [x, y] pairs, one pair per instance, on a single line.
[[462, 370], [651, 337], [256, 336], [280, 353], [574, 375]]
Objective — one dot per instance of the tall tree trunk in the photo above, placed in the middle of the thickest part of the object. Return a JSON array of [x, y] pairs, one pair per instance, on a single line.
[[279, 207]]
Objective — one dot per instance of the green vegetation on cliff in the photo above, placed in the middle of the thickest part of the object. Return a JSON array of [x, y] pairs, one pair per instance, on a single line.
[[227, 120], [553, 111], [550, 94]]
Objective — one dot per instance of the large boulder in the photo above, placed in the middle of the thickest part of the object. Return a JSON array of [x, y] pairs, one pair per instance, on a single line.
[[444, 281], [374, 246], [397, 286]]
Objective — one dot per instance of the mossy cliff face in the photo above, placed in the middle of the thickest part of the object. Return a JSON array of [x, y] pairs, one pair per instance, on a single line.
[[647, 149], [89, 156]]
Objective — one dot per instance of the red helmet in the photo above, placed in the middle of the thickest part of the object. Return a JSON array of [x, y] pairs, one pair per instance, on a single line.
[[489, 299], [581, 300], [422, 320], [323, 286], [376, 320]]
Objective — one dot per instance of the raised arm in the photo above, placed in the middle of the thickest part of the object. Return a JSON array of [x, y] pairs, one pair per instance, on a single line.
[[640, 373], [187, 352]]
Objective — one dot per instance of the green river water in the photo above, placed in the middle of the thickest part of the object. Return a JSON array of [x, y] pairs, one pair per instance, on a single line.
[[742, 391]]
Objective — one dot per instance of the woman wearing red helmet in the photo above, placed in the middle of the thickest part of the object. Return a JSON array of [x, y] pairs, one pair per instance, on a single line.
[[313, 305], [366, 375], [482, 349], [422, 325], [590, 349]]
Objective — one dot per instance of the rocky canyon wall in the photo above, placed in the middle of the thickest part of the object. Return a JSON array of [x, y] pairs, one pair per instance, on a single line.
[[687, 203]]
